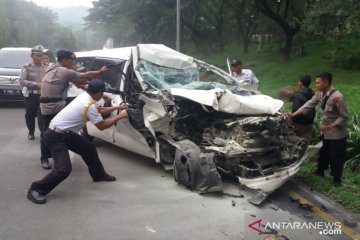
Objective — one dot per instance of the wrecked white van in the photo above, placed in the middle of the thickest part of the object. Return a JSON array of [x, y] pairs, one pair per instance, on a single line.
[[195, 118]]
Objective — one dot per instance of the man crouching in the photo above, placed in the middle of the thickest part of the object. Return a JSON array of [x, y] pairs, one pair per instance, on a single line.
[[62, 135]]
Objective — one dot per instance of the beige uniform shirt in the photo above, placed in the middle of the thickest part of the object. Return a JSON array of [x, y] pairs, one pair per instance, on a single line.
[[335, 112], [30, 74], [54, 84]]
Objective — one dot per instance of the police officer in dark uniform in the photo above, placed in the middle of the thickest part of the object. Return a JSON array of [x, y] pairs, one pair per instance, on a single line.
[[30, 78]]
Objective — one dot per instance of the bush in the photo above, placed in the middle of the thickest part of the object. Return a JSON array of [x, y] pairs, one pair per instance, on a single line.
[[353, 145], [347, 60]]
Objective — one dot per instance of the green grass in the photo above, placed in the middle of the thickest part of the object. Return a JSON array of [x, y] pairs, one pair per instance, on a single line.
[[274, 73], [348, 195]]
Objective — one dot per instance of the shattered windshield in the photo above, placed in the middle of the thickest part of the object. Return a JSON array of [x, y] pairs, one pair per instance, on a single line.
[[197, 77]]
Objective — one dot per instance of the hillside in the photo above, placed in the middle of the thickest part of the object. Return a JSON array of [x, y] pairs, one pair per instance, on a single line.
[[275, 73]]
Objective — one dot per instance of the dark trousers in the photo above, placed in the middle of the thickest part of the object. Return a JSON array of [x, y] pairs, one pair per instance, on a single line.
[[32, 111], [59, 144], [46, 119], [333, 153]]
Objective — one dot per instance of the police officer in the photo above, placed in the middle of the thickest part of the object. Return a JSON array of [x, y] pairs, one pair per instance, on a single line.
[[30, 77], [333, 127], [62, 135], [53, 91]]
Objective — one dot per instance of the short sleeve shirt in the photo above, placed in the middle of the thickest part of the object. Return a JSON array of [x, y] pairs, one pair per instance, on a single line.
[[71, 117], [32, 73], [54, 84], [246, 76], [335, 111]]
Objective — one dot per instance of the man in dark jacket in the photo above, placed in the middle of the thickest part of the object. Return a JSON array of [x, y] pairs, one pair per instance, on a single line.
[[303, 123]]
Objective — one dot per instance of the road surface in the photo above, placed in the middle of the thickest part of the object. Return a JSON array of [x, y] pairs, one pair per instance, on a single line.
[[145, 202]]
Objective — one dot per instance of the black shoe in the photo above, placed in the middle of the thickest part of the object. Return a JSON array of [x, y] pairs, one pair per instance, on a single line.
[[105, 178], [45, 163], [337, 183], [36, 197], [31, 136], [319, 173]]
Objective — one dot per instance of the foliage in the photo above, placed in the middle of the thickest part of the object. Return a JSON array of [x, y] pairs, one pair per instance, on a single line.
[[353, 144], [347, 58], [288, 14], [247, 20], [337, 21], [30, 27], [316, 134], [348, 194], [64, 38], [333, 18], [353, 141], [130, 22]]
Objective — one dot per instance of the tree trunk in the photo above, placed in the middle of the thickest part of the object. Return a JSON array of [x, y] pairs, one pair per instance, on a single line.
[[246, 43], [288, 46], [199, 44]]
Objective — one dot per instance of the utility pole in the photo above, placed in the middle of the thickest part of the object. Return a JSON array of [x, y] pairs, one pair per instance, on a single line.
[[178, 25]]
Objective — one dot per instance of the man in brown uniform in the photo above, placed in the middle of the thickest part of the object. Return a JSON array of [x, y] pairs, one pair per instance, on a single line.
[[30, 77], [53, 91], [333, 127]]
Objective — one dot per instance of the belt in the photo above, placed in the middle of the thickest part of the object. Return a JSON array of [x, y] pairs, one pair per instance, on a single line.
[[50, 100], [55, 129], [34, 91]]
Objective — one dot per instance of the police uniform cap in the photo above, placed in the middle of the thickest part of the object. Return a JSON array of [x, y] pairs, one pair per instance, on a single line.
[[96, 86], [64, 54], [37, 49], [236, 62]]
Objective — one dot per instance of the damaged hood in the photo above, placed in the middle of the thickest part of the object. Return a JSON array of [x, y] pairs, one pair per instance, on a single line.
[[166, 69], [161, 55], [224, 100]]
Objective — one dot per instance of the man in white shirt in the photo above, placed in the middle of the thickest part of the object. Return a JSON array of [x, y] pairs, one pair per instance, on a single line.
[[243, 76], [62, 135]]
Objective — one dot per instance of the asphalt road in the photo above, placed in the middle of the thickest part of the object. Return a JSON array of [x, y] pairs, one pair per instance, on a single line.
[[144, 203]]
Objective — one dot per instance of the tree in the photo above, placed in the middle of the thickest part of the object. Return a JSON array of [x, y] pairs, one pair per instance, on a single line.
[[214, 14], [287, 14], [28, 28], [246, 15], [195, 24], [64, 39], [339, 22], [134, 21]]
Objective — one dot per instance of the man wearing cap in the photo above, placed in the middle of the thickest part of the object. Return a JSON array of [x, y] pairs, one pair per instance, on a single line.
[[62, 135], [243, 76], [53, 92], [303, 123], [30, 78]]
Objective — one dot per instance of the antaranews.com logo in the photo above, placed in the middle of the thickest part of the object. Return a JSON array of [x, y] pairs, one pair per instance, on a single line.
[[273, 227]]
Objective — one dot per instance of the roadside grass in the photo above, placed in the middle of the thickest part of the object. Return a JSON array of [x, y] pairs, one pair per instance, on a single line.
[[348, 195], [275, 73]]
